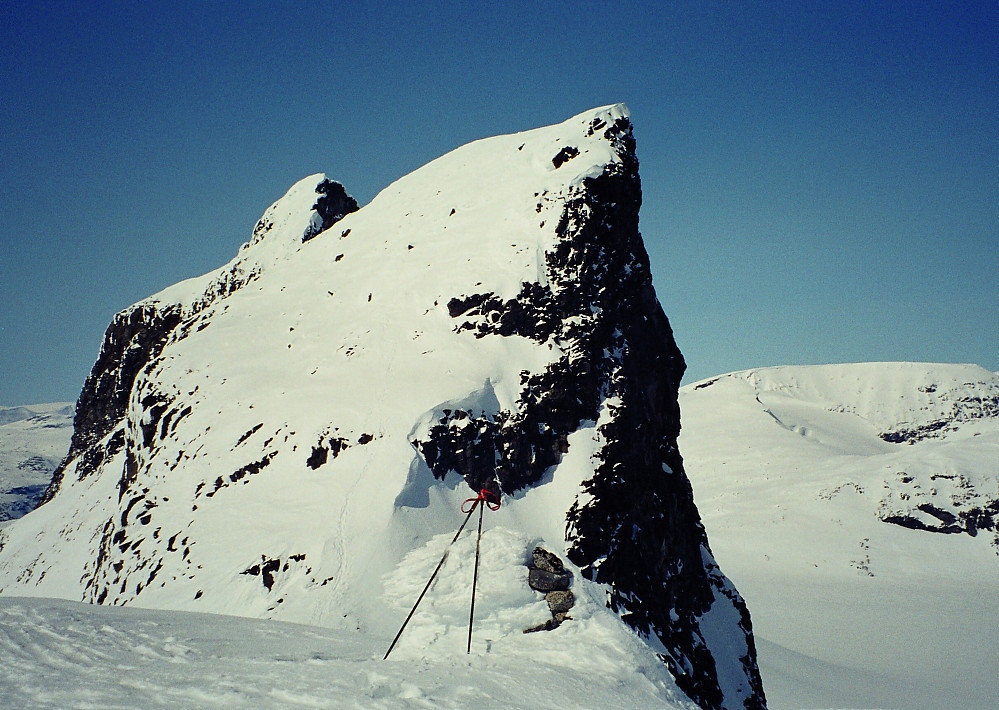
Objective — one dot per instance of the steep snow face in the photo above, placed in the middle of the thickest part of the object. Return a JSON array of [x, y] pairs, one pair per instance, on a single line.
[[279, 437], [869, 559], [33, 441]]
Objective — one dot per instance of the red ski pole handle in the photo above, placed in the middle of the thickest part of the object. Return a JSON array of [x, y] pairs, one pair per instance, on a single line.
[[488, 498]]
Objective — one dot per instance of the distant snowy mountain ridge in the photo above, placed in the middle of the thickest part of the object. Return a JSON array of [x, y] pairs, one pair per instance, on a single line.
[[319, 408], [906, 402], [869, 560], [901, 403], [33, 442]]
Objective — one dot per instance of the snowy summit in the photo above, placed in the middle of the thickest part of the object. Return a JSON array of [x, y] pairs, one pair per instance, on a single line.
[[291, 436]]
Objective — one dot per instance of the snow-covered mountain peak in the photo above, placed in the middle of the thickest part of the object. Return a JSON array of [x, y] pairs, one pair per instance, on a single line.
[[310, 206], [285, 436], [502, 171]]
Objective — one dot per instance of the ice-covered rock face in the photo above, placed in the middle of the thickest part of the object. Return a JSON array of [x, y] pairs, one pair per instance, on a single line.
[[273, 438]]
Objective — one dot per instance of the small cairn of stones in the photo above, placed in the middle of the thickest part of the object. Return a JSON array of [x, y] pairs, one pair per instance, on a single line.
[[548, 574]]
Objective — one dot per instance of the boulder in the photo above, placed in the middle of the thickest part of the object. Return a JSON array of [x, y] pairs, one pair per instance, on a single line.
[[559, 601], [545, 581]]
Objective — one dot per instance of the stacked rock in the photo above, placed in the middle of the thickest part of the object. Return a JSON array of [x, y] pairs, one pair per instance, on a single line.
[[547, 573]]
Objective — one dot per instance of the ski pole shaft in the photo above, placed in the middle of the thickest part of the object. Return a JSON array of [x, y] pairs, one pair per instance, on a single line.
[[475, 580]]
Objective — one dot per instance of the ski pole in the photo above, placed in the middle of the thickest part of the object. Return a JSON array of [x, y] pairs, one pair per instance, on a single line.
[[475, 580], [432, 577], [475, 577]]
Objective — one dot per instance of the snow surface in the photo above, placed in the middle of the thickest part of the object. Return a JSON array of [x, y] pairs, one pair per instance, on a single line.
[[793, 481], [790, 477], [33, 441], [61, 654]]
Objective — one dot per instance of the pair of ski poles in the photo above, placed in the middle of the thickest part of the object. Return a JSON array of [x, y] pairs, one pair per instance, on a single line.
[[482, 501]]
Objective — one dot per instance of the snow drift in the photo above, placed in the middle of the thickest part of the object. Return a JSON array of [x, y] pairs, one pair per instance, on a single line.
[[291, 436]]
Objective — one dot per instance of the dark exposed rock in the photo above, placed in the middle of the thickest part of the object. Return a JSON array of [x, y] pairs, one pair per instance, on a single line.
[[547, 573], [265, 570], [318, 457], [135, 337], [33, 463], [969, 521], [248, 434], [544, 560], [25, 500], [545, 581], [911, 436], [329, 447], [596, 124], [241, 473], [957, 409], [945, 503], [567, 153], [332, 205], [560, 601], [268, 569], [548, 625], [528, 315]]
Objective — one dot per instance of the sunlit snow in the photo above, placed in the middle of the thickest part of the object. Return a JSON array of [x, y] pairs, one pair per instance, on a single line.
[[793, 482]]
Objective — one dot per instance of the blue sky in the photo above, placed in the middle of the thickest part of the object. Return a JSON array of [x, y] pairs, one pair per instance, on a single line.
[[821, 180]]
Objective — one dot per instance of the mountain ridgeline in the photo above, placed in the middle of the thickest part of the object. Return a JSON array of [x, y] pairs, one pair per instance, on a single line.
[[275, 437]]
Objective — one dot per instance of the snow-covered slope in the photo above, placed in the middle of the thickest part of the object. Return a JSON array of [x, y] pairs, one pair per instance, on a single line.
[[58, 654], [287, 436], [33, 441], [856, 507]]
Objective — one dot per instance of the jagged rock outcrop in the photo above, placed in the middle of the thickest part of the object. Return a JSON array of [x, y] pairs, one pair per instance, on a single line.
[[269, 438], [946, 502], [135, 337]]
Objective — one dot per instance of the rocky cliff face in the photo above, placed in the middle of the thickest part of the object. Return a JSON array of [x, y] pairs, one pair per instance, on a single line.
[[247, 438], [637, 528]]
